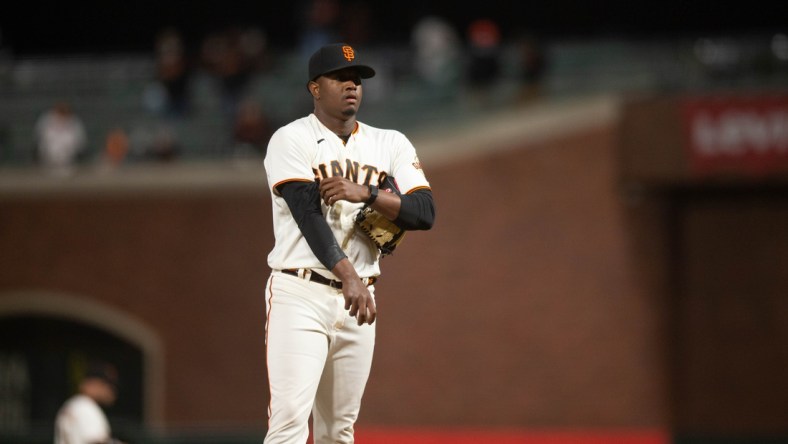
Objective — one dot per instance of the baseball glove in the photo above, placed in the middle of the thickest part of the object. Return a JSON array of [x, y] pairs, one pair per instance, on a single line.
[[385, 234]]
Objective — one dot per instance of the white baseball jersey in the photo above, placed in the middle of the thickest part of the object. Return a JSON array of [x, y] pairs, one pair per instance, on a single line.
[[81, 421], [305, 150]]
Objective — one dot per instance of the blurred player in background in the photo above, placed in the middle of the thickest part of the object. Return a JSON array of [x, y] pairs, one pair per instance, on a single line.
[[61, 137], [81, 419]]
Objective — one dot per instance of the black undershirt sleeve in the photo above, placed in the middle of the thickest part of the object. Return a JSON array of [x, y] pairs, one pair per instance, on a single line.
[[303, 199], [417, 211]]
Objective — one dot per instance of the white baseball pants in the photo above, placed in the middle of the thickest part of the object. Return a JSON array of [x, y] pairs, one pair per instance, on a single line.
[[318, 359]]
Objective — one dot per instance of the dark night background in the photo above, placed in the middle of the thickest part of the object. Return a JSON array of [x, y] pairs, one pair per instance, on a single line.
[[56, 27]]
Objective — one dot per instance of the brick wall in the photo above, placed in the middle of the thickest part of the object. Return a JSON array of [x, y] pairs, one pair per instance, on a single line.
[[523, 307]]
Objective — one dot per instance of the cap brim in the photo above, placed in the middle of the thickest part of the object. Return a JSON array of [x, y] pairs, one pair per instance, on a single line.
[[364, 71]]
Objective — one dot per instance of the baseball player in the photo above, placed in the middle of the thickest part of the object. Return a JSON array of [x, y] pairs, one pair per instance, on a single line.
[[322, 170], [81, 419]]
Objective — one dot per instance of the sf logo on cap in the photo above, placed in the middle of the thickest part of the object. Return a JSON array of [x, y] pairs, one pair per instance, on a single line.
[[348, 52]]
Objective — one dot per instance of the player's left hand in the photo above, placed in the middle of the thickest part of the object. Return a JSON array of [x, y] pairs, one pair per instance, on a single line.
[[337, 188]]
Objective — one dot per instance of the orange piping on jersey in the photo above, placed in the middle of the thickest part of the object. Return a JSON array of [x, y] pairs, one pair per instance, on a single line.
[[418, 188], [352, 133], [281, 182]]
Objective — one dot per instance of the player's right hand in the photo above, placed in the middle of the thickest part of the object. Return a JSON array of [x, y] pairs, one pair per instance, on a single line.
[[359, 301]]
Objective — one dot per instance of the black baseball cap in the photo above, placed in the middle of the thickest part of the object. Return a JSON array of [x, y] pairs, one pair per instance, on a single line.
[[334, 57]]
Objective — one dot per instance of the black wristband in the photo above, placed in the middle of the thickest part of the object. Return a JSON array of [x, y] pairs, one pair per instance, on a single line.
[[373, 194]]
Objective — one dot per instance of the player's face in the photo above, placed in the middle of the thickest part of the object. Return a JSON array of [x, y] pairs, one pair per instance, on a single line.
[[340, 92]]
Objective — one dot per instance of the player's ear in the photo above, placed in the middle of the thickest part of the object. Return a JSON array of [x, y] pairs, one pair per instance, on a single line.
[[314, 89]]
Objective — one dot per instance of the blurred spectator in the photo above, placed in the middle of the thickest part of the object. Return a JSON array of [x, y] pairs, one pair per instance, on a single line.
[[116, 147], [356, 28], [532, 66], [60, 136], [165, 146], [320, 25], [224, 58], [484, 56], [254, 49], [172, 73], [252, 130], [438, 53], [721, 58], [81, 419], [158, 143], [779, 48]]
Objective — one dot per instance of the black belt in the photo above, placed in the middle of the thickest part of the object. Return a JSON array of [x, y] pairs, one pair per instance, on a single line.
[[320, 279]]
